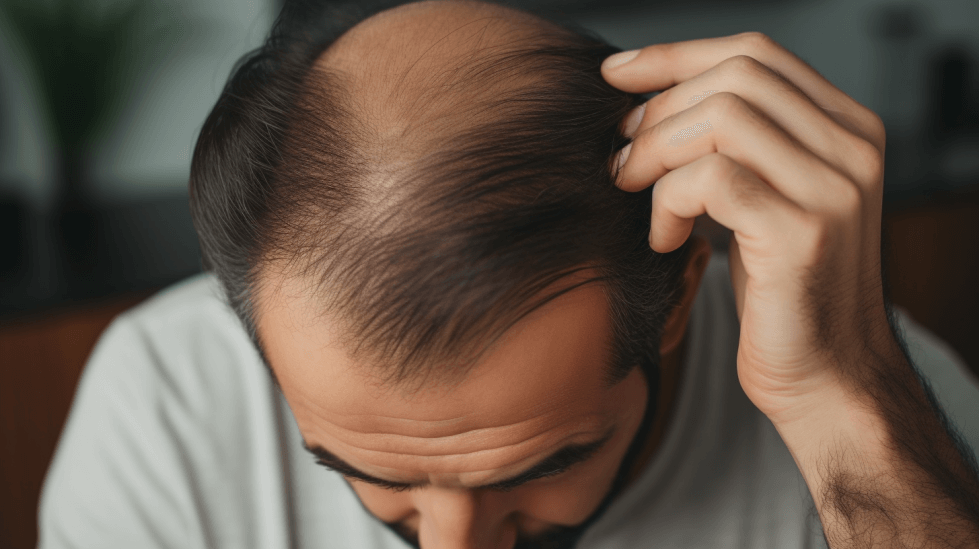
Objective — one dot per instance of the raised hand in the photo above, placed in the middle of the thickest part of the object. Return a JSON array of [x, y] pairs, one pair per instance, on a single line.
[[747, 133]]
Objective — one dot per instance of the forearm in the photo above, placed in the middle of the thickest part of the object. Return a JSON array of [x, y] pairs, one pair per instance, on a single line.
[[881, 467]]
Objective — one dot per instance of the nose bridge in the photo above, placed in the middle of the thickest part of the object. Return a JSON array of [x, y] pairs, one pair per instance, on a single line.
[[461, 519]]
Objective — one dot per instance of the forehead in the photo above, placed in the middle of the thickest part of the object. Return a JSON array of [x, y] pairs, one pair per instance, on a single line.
[[542, 384]]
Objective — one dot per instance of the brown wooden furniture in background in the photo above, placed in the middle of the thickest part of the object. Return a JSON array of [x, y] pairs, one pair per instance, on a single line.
[[932, 258], [41, 359]]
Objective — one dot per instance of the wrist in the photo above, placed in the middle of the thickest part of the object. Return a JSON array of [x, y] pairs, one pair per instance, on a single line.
[[859, 410], [849, 382], [880, 465], [832, 423], [876, 422]]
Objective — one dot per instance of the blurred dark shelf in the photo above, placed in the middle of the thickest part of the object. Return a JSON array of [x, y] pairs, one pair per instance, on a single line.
[[125, 248], [585, 7], [929, 247]]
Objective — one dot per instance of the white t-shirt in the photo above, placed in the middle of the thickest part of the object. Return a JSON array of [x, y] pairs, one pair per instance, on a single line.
[[177, 438]]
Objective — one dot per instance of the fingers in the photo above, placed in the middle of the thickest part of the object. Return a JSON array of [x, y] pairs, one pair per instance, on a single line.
[[732, 195], [661, 66], [727, 124], [767, 92]]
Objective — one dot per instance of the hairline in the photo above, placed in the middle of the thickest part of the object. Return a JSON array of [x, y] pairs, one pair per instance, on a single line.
[[614, 373]]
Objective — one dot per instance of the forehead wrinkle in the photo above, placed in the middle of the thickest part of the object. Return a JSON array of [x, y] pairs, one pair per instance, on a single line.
[[549, 407], [465, 442], [538, 412], [494, 460], [443, 433]]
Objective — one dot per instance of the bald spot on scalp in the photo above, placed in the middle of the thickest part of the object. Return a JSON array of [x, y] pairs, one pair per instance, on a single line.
[[405, 78], [407, 70], [403, 91]]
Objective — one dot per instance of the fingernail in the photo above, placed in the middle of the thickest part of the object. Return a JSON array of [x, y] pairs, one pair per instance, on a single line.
[[623, 156], [633, 120], [619, 59]]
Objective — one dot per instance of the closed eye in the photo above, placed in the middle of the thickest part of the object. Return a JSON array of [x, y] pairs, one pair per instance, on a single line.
[[357, 475]]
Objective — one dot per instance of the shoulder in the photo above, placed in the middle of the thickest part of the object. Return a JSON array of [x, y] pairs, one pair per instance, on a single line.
[[184, 343], [183, 309], [171, 436], [183, 325], [182, 352]]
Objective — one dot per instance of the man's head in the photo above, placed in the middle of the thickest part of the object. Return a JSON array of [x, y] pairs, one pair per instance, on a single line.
[[416, 220]]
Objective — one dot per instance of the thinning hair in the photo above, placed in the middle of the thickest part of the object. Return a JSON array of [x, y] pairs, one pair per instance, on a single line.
[[430, 244]]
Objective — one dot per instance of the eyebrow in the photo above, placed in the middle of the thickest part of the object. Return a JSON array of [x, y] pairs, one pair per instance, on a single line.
[[554, 464]]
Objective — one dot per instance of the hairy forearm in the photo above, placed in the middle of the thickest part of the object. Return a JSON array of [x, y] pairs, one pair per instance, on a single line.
[[881, 465]]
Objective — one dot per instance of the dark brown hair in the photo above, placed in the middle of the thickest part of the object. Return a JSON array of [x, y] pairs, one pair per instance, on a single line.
[[484, 216]]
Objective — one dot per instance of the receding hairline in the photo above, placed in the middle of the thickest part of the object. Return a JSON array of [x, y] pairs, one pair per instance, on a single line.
[[279, 289]]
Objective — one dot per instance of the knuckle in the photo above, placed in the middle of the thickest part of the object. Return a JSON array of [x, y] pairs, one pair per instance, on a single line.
[[741, 64], [849, 198], [755, 41], [868, 161], [876, 130], [726, 103], [874, 122], [718, 167]]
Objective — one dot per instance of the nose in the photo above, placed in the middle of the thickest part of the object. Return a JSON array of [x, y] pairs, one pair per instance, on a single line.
[[461, 519]]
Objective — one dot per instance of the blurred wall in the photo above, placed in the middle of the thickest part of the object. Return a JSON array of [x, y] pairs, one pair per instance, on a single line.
[[23, 143], [836, 37], [147, 152], [883, 53], [127, 227]]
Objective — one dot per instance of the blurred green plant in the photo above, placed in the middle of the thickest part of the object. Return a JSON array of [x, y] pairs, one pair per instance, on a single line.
[[86, 55]]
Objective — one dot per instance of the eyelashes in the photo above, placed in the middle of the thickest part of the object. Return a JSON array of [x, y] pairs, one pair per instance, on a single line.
[[552, 466], [509, 486], [373, 482], [398, 488]]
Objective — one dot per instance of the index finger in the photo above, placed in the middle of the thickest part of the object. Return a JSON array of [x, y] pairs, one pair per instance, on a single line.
[[661, 66]]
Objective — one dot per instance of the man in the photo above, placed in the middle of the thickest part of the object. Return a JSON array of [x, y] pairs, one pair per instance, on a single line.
[[416, 219]]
